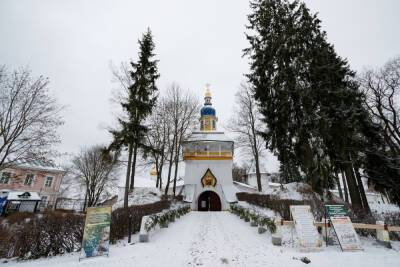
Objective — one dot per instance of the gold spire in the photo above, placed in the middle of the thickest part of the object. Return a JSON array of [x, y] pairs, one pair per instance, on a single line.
[[208, 93]]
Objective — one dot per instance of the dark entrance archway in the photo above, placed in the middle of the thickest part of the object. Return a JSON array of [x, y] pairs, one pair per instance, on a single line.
[[209, 201]]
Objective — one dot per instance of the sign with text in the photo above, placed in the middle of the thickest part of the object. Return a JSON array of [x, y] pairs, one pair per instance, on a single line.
[[336, 210], [309, 239], [347, 236], [96, 235]]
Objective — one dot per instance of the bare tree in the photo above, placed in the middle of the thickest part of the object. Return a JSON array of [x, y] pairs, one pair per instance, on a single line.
[[157, 139], [245, 124], [182, 109], [96, 170], [29, 117], [382, 90], [122, 77], [239, 172]]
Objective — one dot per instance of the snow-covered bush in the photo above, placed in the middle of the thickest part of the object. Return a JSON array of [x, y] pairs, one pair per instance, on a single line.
[[264, 221], [165, 217], [248, 214]]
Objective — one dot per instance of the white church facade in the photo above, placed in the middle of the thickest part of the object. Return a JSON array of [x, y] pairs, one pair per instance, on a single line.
[[208, 157]]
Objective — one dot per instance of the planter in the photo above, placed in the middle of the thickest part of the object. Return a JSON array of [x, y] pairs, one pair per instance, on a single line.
[[164, 225], [172, 219], [246, 219], [276, 240], [253, 223], [261, 230]]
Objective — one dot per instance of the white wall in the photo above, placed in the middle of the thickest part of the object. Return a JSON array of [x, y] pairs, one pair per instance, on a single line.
[[195, 170]]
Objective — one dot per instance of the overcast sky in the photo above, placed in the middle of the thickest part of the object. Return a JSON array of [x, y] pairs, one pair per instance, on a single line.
[[197, 42]]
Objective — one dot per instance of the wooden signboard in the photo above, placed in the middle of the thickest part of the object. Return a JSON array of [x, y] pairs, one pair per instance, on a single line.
[[344, 229], [309, 239]]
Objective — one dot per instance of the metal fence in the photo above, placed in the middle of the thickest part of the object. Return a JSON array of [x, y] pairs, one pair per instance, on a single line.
[[63, 204]]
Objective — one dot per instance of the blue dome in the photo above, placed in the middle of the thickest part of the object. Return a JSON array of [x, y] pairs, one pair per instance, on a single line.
[[207, 110]]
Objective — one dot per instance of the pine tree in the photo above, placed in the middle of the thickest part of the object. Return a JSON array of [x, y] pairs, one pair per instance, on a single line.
[[311, 104], [142, 97]]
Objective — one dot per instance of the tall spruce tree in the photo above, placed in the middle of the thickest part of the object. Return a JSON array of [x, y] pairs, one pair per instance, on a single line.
[[138, 105], [311, 105]]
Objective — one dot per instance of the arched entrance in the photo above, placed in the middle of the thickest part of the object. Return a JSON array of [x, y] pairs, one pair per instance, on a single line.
[[209, 201]]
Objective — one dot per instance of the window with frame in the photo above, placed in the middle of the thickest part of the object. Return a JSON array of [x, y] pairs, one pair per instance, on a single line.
[[48, 182], [5, 177], [43, 201], [29, 179]]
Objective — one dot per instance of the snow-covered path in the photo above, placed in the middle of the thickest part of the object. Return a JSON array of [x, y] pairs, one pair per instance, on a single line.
[[218, 239]]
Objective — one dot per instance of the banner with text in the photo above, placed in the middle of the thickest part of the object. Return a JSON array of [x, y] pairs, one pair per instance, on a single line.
[[96, 236], [309, 239]]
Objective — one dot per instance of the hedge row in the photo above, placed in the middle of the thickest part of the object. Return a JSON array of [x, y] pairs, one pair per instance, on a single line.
[[31, 236], [253, 216], [43, 235], [120, 218], [282, 206]]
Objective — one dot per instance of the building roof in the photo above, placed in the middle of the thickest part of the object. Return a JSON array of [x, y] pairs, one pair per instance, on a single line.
[[36, 165], [209, 136]]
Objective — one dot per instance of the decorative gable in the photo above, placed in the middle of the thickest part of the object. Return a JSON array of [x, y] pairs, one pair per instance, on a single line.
[[208, 179]]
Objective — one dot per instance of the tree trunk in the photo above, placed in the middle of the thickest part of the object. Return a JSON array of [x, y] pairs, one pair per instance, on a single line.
[[345, 190], [362, 191], [176, 167], [159, 173], [128, 173], [171, 154], [85, 202], [338, 185], [258, 174], [356, 201], [158, 178], [135, 151]]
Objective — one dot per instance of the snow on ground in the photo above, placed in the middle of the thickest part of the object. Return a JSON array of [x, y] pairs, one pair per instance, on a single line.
[[219, 239], [145, 181], [261, 210], [381, 208], [289, 191], [140, 196]]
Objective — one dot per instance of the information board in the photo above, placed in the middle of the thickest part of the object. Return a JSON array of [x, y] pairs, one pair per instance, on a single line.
[[309, 239], [96, 235], [336, 210], [343, 227], [345, 233]]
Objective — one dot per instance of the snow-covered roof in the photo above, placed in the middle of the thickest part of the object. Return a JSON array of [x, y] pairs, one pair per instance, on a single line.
[[21, 195], [36, 165], [208, 136]]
